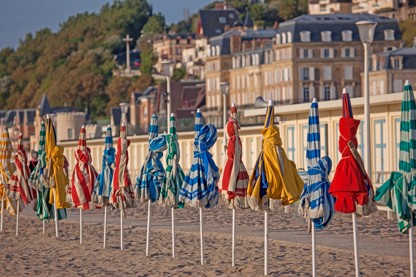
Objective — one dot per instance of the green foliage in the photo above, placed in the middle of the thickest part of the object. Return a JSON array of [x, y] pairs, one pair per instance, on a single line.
[[74, 66], [408, 29], [289, 9], [178, 74], [155, 25]]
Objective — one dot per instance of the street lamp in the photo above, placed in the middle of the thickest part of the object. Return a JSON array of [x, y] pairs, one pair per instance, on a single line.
[[124, 107], [366, 30], [167, 67], [224, 90]]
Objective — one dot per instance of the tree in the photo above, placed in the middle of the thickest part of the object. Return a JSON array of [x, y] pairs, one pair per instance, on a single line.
[[155, 25], [288, 9], [178, 74], [408, 29]]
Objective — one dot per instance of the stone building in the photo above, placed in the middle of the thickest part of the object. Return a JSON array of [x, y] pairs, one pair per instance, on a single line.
[[309, 56]]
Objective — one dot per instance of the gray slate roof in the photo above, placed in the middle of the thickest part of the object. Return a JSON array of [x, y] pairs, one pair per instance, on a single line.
[[408, 54], [336, 23], [210, 21]]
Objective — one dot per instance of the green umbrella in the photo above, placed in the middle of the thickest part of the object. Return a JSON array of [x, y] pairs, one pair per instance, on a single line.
[[398, 192]]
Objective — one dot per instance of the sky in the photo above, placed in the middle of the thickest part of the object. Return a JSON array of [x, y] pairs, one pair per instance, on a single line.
[[19, 17]]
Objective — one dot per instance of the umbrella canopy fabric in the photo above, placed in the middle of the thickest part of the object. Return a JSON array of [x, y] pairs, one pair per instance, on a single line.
[[274, 176], [315, 202], [18, 185], [149, 182], [122, 195], [234, 178], [105, 178], [56, 175], [6, 169], [36, 179], [199, 188], [172, 182], [399, 191], [83, 176], [351, 185]]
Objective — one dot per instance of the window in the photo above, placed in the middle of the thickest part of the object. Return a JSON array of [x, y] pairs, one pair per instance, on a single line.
[[305, 36], [70, 133], [278, 39], [397, 86], [289, 37], [348, 52], [222, 20], [326, 36], [389, 34], [231, 15], [218, 31], [327, 93], [348, 72], [327, 73], [396, 62], [347, 35], [284, 38], [305, 94], [327, 53], [305, 53], [304, 73]]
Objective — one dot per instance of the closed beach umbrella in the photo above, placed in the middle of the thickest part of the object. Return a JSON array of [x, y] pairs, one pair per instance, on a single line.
[[316, 204], [103, 185], [351, 185], [274, 176], [83, 175], [102, 190], [56, 177], [172, 182], [149, 182], [234, 178], [122, 195], [18, 186], [5, 172], [199, 188], [37, 180], [399, 191], [83, 178]]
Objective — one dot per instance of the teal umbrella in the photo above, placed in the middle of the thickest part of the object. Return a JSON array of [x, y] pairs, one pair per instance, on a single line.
[[399, 191]]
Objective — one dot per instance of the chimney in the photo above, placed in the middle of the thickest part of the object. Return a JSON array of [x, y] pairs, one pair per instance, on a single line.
[[225, 7]]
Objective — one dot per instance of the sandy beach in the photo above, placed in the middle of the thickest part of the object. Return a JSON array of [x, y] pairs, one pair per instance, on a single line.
[[383, 250]]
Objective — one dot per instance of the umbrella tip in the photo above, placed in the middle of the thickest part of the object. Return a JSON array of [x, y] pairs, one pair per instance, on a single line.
[[172, 114], [344, 91], [198, 110], [47, 116], [314, 100], [83, 126], [407, 83], [123, 124], [108, 126], [270, 104], [233, 104]]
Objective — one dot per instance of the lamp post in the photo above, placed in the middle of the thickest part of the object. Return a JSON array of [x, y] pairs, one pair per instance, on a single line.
[[124, 107], [167, 67], [224, 90], [366, 30]]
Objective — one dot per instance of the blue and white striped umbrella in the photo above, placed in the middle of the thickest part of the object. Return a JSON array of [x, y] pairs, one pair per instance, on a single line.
[[200, 185], [316, 203], [149, 182], [103, 185]]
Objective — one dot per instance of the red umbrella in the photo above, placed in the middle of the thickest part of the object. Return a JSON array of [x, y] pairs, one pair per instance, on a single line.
[[83, 178], [351, 185], [122, 195], [18, 186]]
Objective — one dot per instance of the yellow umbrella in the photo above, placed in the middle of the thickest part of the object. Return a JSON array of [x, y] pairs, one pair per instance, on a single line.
[[5, 171], [274, 176], [56, 178]]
